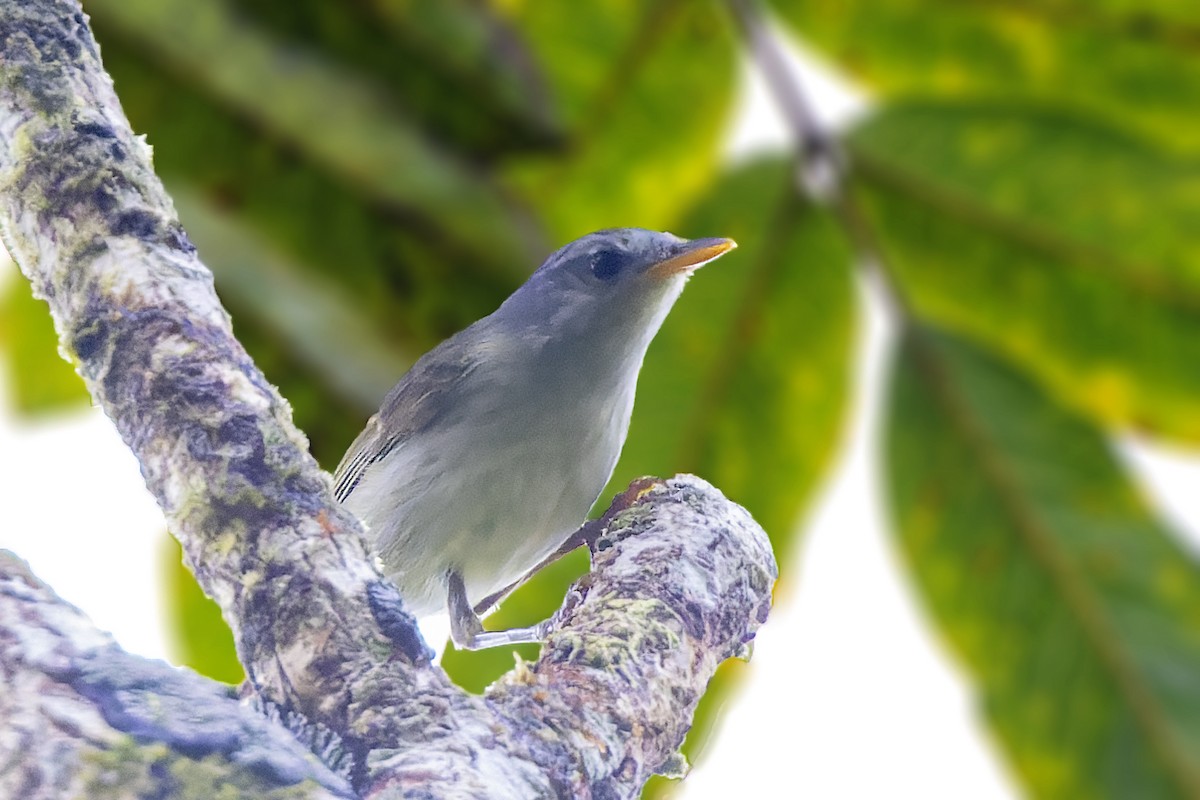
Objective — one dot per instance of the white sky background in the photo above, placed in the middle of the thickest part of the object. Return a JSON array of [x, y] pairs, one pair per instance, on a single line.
[[849, 694]]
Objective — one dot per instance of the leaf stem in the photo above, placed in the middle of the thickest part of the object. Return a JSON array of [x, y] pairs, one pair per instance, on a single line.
[[824, 170]]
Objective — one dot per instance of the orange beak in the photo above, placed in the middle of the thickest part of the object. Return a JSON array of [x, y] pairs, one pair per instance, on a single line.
[[691, 256]]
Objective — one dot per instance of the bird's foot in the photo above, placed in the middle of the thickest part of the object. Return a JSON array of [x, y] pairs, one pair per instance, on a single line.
[[466, 630]]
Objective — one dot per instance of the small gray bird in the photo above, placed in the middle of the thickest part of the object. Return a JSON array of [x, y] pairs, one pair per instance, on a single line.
[[490, 451]]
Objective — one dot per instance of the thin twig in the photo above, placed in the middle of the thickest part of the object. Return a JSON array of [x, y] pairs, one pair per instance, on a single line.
[[824, 171], [822, 163]]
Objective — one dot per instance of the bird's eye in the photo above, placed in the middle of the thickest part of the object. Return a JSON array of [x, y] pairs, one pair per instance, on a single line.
[[607, 264]]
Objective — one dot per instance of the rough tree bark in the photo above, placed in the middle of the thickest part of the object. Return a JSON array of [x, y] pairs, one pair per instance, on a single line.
[[344, 699]]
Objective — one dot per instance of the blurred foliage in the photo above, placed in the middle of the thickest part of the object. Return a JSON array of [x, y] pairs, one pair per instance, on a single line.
[[1072, 605], [645, 87], [41, 381], [367, 177], [1096, 291], [1129, 64], [200, 637]]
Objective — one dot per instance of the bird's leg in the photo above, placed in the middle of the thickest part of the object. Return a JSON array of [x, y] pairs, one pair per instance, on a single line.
[[464, 622], [584, 536], [466, 631]]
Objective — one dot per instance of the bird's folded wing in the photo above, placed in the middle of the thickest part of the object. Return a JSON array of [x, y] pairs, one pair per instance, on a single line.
[[425, 393]]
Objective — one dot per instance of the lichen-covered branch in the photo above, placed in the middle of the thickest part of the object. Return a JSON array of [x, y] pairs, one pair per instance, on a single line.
[[82, 717], [90, 225], [681, 578]]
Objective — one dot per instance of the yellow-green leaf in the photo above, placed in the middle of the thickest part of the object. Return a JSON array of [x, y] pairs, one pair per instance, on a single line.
[[452, 64], [1075, 611], [39, 379], [1069, 248], [646, 88], [198, 636], [1129, 64]]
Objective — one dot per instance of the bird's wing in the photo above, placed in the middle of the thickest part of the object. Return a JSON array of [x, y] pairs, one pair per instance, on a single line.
[[370, 446], [426, 392]]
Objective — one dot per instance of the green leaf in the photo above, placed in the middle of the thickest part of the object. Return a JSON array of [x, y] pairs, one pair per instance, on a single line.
[[1129, 64], [1070, 249], [646, 89], [198, 637], [453, 64], [336, 117], [40, 380], [1073, 608]]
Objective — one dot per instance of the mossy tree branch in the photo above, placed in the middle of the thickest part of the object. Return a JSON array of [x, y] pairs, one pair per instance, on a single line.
[[681, 577], [84, 715]]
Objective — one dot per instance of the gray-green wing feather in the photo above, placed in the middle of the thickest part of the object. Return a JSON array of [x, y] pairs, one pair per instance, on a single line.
[[370, 446], [423, 395]]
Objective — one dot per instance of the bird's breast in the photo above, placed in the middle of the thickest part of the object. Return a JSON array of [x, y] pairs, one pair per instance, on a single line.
[[495, 494]]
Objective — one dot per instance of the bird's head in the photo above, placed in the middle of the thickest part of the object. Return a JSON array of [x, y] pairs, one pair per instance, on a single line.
[[610, 289]]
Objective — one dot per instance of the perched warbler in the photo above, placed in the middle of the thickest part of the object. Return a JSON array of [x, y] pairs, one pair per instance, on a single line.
[[490, 451]]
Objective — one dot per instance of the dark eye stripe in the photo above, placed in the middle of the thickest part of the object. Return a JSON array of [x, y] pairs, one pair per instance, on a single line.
[[607, 264]]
